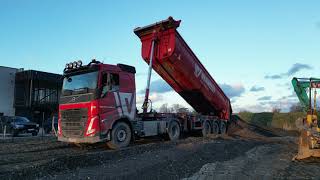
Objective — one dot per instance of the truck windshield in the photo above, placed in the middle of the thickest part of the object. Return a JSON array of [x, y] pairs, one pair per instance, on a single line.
[[80, 84]]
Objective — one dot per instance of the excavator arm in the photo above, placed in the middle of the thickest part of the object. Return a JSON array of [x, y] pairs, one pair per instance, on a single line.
[[301, 87]]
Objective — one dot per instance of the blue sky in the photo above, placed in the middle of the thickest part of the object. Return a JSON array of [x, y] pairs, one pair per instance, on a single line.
[[240, 42]]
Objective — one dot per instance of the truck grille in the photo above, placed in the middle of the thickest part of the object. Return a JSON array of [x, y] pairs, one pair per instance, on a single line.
[[73, 122]]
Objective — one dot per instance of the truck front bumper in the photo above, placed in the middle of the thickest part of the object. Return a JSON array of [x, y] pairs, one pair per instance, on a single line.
[[89, 140]]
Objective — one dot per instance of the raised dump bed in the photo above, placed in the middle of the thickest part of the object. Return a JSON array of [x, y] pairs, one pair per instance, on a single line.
[[175, 62]]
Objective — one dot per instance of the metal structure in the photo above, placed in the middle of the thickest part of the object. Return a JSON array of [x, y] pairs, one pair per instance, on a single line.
[[309, 141], [98, 101], [37, 94]]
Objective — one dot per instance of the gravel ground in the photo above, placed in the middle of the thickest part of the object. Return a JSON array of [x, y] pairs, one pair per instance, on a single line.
[[246, 154]]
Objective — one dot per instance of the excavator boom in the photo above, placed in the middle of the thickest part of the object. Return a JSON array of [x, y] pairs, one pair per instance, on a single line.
[[301, 86]]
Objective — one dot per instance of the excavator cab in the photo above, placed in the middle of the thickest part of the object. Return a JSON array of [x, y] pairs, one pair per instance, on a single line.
[[309, 126]]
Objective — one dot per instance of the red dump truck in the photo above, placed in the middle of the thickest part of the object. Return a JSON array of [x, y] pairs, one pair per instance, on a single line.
[[98, 101]]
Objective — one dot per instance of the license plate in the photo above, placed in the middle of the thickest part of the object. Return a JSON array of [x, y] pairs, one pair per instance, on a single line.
[[30, 129], [72, 140]]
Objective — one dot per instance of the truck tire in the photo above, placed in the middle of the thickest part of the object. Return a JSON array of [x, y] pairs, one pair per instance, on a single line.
[[174, 131], [223, 127], [206, 129], [120, 136], [215, 127]]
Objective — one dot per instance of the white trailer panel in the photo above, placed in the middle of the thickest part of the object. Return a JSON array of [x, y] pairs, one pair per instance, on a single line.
[[7, 84]]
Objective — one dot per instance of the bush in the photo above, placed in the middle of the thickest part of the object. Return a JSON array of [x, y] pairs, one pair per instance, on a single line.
[[279, 120], [245, 115], [286, 121]]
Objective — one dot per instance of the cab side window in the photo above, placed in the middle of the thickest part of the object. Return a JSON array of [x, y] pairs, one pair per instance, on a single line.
[[114, 78], [110, 83]]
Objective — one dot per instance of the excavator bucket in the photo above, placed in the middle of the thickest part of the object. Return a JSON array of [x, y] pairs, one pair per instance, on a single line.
[[304, 149]]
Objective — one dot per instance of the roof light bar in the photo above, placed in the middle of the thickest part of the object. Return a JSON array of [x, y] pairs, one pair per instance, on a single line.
[[73, 65]]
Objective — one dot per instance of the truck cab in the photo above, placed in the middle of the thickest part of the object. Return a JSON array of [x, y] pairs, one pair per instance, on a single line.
[[94, 97]]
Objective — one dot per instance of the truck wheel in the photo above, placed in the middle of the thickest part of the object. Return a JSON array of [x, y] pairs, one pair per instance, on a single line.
[[223, 127], [120, 136], [215, 128], [174, 131], [206, 129]]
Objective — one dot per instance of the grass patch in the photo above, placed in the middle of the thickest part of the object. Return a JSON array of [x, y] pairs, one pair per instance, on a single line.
[[284, 121]]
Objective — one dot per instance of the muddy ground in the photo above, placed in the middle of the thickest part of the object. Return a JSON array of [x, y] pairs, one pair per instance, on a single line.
[[248, 153]]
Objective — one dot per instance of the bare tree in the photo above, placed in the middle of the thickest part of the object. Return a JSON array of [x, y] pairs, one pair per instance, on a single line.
[[165, 108], [276, 110], [296, 108], [183, 110], [176, 108]]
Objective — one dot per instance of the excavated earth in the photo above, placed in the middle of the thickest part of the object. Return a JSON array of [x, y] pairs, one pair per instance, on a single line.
[[248, 152]]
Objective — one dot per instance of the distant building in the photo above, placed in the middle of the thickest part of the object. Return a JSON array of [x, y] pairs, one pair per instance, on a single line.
[[32, 94], [7, 84], [37, 94]]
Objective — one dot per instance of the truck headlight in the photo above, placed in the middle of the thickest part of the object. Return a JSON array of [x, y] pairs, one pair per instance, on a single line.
[[79, 63], [74, 64]]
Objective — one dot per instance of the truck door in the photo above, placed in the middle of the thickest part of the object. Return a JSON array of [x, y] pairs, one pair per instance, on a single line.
[[108, 109]]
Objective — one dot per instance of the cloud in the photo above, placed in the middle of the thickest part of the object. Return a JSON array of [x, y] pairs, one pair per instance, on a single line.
[[297, 67], [283, 104], [233, 100], [273, 77], [158, 86], [293, 70], [252, 108], [293, 95], [264, 98], [232, 90], [257, 88], [267, 105], [154, 97]]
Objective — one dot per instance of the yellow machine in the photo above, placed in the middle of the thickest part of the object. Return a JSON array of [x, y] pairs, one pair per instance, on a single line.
[[309, 140]]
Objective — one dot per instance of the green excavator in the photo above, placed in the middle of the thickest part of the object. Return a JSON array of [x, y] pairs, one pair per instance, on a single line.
[[309, 140]]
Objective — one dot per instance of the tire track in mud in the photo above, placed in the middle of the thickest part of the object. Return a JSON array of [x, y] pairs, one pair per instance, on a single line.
[[262, 162], [35, 158], [169, 160]]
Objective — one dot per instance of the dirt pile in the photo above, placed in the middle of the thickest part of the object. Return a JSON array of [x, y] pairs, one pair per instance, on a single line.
[[244, 130]]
